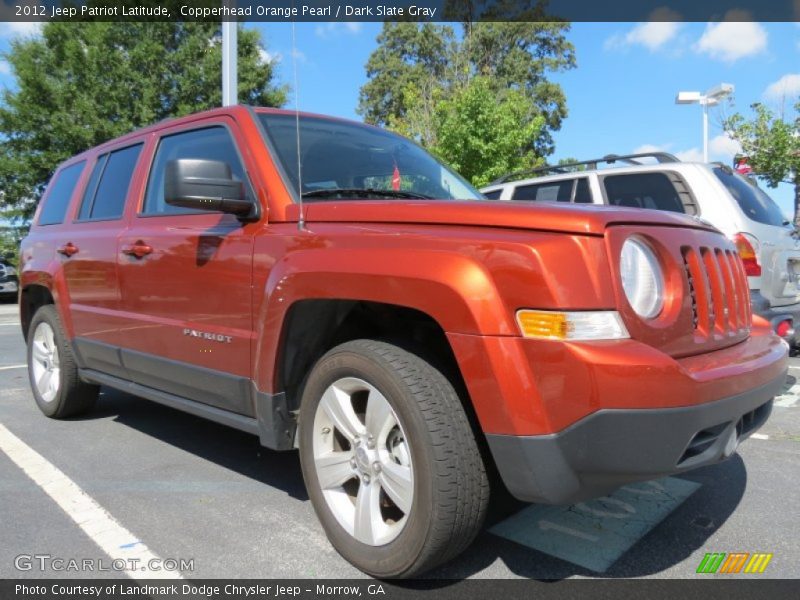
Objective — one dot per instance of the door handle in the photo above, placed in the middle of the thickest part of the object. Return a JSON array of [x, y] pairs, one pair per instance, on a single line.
[[137, 250], [67, 249]]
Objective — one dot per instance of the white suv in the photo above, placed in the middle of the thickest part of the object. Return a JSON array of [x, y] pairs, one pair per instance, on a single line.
[[766, 241]]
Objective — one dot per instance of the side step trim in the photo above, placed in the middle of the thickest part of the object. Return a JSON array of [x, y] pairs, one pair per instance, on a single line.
[[212, 413]]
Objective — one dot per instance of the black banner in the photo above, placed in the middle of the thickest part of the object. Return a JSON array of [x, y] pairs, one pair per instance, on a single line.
[[400, 10], [343, 589]]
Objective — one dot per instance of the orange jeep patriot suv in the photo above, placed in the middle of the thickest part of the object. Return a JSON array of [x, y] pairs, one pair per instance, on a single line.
[[356, 299]]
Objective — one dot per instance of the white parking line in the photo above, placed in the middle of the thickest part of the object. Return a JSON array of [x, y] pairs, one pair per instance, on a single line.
[[93, 519], [9, 367], [759, 436]]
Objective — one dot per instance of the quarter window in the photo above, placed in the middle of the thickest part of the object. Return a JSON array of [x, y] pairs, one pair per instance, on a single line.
[[105, 194], [212, 143], [61, 189]]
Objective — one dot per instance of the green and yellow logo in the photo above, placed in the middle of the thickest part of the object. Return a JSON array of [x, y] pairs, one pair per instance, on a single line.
[[734, 562]]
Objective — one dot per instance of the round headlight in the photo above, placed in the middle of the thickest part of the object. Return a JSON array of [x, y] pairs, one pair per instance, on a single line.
[[642, 278]]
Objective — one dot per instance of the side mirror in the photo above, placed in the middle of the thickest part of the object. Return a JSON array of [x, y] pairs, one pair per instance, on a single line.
[[204, 185]]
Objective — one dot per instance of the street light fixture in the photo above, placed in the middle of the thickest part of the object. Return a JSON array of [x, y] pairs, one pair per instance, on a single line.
[[711, 98]]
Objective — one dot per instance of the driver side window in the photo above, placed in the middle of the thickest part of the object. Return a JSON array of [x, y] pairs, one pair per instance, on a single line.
[[210, 143]]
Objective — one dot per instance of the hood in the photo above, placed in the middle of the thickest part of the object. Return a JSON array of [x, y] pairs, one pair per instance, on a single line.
[[569, 218]]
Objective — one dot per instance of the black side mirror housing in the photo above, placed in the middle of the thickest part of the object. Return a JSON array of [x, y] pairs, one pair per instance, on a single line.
[[205, 185]]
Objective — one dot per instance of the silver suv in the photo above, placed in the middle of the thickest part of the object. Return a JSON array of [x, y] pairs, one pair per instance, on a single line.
[[766, 240]]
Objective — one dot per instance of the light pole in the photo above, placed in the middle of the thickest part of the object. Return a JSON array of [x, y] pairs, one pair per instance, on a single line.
[[229, 66], [711, 98]]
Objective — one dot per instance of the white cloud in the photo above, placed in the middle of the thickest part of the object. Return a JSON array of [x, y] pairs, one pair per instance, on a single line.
[[9, 29], [732, 39], [266, 57], [786, 88], [5, 68], [329, 30], [653, 35], [723, 148], [647, 148], [690, 155]]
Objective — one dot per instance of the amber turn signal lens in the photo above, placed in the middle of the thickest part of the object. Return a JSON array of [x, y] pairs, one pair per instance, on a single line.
[[571, 326]]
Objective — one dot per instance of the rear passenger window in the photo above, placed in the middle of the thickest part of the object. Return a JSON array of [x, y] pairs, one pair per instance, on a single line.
[[554, 191], [493, 194], [643, 190], [212, 143], [107, 190], [55, 207]]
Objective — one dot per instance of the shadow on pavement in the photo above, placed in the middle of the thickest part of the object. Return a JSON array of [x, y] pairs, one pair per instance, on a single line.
[[225, 446]]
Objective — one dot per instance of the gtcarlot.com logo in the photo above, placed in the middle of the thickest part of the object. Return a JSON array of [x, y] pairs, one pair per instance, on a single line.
[[47, 562], [734, 562]]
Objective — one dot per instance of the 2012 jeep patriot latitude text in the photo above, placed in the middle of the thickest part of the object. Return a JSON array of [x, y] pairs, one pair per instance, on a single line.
[[405, 334]]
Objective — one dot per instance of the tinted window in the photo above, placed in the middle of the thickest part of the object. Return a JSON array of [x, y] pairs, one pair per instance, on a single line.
[[493, 194], [554, 191], [582, 193], [112, 190], [61, 190], [753, 202], [642, 190], [213, 143], [343, 155]]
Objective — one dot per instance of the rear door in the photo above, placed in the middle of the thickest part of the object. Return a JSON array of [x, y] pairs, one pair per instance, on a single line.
[[186, 279], [88, 252], [562, 190], [653, 190]]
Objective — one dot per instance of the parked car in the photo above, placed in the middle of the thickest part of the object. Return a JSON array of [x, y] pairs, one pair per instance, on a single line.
[[9, 281], [356, 299], [765, 240]]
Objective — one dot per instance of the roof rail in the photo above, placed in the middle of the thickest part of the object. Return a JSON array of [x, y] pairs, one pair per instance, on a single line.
[[631, 159]]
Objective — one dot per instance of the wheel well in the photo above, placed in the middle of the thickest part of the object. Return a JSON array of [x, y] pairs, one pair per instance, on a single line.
[[313, 327], [32, 299]]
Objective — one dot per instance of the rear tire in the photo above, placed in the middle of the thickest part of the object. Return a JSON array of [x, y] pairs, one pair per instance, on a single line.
[[389, 460], [53, 373]]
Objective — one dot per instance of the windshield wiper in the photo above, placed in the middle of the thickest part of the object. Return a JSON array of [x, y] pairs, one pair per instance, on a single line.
[[363, 193]]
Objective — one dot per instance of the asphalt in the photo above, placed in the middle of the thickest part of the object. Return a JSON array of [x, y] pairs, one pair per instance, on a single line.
[[192, 489]]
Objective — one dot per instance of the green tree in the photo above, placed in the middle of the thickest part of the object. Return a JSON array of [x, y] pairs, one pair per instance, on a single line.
[[773, 145], [484, 138], [80, 84], [421, 75]]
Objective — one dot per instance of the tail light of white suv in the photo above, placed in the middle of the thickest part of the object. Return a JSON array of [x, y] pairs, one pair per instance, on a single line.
[[747, 246]]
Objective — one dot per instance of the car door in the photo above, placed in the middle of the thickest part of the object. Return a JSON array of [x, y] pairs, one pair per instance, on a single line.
[[185, 279], [88, 253]]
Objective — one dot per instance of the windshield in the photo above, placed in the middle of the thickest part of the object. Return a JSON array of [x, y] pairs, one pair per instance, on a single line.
[[754, 202], [340, 159]]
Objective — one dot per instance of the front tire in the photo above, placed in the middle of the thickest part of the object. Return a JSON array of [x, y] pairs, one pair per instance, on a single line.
[[389, 459], [53, 373]]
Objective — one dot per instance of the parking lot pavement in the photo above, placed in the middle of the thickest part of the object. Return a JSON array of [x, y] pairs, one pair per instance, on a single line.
[[196, 491]]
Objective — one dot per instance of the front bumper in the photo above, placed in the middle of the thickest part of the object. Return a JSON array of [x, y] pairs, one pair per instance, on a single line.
[[612, 447], [761, 307]]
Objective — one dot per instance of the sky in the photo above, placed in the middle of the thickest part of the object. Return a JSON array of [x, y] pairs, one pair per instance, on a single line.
[[621, 96]]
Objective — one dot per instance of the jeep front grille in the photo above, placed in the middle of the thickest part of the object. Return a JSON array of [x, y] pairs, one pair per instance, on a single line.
[[719, 291]]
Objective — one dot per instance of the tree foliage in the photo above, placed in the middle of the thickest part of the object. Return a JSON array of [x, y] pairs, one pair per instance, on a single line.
[[79, 84], [772, 144], [428, 82]]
